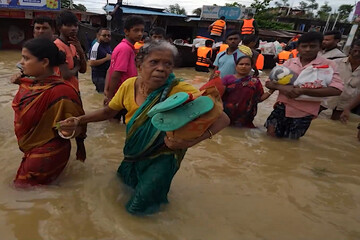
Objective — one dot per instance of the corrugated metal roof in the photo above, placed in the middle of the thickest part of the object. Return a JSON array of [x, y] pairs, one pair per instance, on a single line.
[[142, 11]]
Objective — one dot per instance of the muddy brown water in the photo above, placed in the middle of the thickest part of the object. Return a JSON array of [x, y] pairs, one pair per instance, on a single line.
[[239, 185]]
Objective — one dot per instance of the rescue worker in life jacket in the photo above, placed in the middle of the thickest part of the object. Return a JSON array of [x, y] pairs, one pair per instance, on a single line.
[[284, 55], [204, 55], [218, 29], [249, 26]]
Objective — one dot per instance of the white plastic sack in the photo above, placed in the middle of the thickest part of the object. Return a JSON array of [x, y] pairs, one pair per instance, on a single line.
[[314, 77]]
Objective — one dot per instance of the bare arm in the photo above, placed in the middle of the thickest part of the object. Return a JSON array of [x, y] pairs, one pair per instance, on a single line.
[[113, 84], [66, 73], [74, 123], [94, 63], [345, 115], [75, 41]]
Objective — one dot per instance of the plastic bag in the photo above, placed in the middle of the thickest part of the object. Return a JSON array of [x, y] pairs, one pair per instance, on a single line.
[[314, 77]]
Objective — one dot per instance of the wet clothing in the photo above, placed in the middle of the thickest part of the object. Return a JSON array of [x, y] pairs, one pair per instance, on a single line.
[[286, 127], [226, 62], [332, 54], [98, 73], [38, 107], [71, 57], [123, 60], [148, 165], [351, 85], [241, 98]]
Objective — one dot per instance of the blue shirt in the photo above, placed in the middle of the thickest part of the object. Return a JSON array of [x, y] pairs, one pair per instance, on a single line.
[[99, 51], [226, 63]]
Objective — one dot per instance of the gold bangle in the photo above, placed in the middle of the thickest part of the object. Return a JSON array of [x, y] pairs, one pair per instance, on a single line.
[[211, 134]]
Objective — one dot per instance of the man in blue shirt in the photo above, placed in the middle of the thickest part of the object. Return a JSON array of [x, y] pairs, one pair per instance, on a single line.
[[100, 57], [225, 61]]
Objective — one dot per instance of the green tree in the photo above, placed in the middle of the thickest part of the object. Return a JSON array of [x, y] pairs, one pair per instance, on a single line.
[[234, 4], [65, 4], [344, 11], [80, 7], [176, 9], [197, 11], [324, 11], [282, 3], [260, 5], [309, 5]]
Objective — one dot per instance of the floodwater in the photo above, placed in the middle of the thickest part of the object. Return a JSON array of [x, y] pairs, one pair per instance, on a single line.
[[239, 185]]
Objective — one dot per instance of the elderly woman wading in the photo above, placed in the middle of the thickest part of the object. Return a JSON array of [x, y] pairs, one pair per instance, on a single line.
[[151, 159]]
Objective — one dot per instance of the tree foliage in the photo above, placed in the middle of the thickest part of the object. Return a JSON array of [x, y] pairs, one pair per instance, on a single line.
[[265, 20], [197, 11], [234, 4], [79, 7], [260, 5], [324, 11], [344, 11], [176, 9], [282, 3], [309, 5]]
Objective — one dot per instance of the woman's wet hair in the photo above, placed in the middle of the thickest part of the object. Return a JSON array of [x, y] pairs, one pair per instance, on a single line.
[[153, 46], [44, 48], [242, 57]]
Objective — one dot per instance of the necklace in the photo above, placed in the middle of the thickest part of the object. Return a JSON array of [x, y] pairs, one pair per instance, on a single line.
[[142, 90]]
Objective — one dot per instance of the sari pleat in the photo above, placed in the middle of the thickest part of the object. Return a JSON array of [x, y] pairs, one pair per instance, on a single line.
[[38, 107], [148, 166]]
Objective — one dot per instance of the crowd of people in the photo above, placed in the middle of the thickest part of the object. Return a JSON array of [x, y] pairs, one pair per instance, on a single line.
[[49, 111]]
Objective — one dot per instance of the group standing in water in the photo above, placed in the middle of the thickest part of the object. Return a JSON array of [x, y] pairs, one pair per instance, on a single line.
[[49, 111]]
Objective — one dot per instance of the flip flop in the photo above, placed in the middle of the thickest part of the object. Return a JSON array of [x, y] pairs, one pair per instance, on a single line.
[[178, 117], [171, 102]]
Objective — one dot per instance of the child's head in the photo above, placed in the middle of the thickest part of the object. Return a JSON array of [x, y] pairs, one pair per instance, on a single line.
[[134, 28], [157, 34], [208, 43], [250, 40], [309, 44], [244, 65], [67, 24]]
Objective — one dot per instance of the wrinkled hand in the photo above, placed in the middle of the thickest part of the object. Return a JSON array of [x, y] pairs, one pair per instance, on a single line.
[[15, 79], [345, 115], [175, 144], [69, 125]]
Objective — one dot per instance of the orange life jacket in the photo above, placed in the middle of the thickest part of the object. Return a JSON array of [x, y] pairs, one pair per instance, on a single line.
[[283, 56], [248, 27], [218, 27], [201, 56], [223, 47], [260, 62], [294, 53]]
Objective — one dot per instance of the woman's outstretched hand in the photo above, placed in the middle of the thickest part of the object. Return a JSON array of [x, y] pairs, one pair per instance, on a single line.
[[69, 125]]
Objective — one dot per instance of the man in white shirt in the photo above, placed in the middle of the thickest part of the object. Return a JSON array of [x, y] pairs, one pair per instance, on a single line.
[[330, 46]]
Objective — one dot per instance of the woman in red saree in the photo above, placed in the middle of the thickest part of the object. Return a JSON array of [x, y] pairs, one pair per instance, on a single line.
[[41, 101], [242, 94]]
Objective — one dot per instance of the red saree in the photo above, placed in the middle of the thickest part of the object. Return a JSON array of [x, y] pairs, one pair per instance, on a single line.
[[38, 107]]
